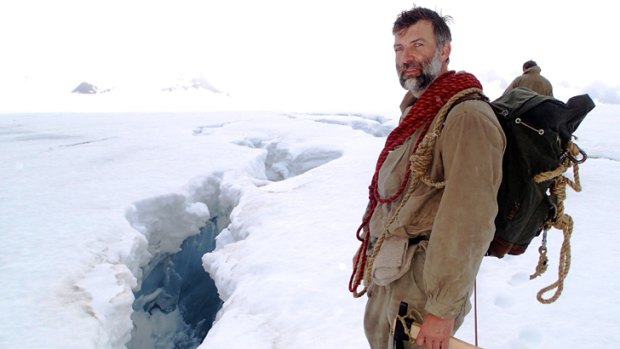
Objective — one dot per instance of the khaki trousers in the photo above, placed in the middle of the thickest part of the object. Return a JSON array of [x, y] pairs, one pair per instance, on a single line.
[[384, 301]]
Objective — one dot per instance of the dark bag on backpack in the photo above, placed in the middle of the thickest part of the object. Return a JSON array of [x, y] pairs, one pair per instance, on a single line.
[[538, 130]]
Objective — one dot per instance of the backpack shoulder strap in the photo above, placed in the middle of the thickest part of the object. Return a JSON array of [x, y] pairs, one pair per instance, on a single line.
[[474, 96]]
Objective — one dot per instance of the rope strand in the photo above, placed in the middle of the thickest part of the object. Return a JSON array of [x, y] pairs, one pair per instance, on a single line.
[[563, 222]]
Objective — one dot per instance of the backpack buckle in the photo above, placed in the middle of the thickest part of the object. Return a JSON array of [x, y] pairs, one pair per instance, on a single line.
[[574, 159]]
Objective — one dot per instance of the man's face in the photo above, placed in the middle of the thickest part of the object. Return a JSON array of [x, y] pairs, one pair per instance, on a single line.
[[418, 59]]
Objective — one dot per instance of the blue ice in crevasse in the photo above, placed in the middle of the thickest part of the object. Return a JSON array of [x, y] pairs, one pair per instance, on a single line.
[[178, 300]]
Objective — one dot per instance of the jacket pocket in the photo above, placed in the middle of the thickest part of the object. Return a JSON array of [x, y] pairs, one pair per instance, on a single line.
[[393, 260]]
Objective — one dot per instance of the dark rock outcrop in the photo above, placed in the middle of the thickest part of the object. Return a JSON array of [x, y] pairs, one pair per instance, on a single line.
[[86, 88]]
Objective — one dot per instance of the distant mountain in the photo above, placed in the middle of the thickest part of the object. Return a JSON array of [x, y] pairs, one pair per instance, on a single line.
[[88, 88], [180, 84], [193, 83]]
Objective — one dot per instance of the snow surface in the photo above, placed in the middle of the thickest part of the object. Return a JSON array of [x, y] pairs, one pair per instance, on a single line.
[[87, 200]]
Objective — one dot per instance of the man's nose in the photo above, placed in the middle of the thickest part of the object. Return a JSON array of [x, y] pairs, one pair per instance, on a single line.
[[408, 56]]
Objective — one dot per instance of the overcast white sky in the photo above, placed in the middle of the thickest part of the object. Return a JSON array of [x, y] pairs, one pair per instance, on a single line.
[[288, 49]]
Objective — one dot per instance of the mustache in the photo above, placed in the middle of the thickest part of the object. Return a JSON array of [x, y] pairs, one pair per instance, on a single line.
[[412, 64], [407, 65]]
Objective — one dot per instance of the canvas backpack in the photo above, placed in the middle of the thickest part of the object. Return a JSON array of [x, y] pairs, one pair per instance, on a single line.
[[540, 148]]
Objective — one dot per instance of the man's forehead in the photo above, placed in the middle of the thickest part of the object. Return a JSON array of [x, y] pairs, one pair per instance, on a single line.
[[420, 27]]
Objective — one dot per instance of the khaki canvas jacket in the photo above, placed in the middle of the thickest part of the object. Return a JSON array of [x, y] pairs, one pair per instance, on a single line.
[[458, 219], [532, 79]]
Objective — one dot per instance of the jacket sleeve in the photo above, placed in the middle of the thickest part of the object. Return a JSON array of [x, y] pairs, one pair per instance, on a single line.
[[471, 147]]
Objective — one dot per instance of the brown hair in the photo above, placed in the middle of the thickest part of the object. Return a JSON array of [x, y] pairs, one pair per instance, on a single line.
[[529, 64], [411, 17]]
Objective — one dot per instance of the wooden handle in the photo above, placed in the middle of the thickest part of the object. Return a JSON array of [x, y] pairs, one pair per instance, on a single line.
[[454, 343]]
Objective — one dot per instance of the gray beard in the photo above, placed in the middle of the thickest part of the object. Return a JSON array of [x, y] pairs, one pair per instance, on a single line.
[[430, 71]]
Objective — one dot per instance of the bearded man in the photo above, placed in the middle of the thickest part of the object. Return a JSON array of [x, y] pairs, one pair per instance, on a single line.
[[430, 216]]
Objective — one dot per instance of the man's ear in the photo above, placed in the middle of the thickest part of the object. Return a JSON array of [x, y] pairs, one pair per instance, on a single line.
[[445, 52]]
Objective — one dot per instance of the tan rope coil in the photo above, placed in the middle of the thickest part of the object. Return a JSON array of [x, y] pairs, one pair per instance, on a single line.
[[562, 222]]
